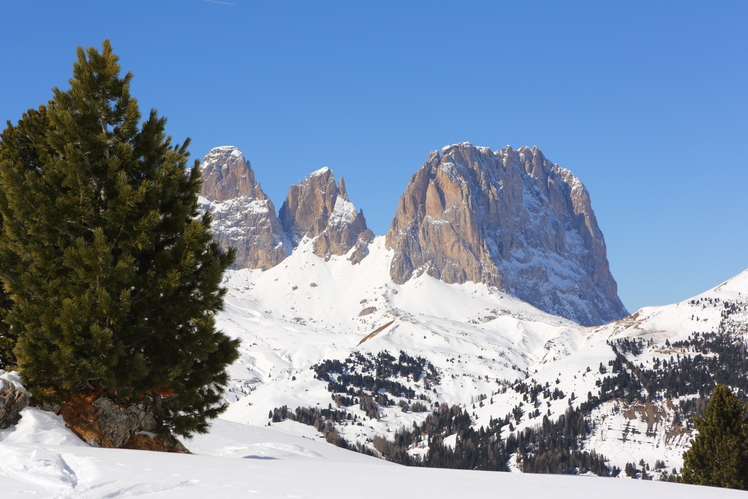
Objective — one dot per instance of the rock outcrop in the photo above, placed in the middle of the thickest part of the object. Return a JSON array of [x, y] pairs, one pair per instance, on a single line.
[[509, 219], [12, 401], [104, 422], [243, 216], [320, 210]]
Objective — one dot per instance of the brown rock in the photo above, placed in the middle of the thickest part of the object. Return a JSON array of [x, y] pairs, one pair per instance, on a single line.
[[243, 216], [103, 422], [509, 219], [319, 210]]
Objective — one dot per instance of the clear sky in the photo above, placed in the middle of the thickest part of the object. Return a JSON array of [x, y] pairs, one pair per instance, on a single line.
[[646, 102]]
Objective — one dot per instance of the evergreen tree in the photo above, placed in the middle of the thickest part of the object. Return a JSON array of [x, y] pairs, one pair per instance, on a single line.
[[7, 339], [113, 275], [719, 454]]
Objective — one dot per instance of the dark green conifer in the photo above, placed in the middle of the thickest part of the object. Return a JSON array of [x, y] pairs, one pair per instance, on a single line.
[[7, 339], [719, 454], [113, 275]]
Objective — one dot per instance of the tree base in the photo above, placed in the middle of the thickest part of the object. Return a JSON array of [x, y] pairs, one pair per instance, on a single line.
[[104, 422]]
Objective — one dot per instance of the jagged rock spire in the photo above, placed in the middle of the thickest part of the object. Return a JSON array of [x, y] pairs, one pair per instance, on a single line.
[[319, 210], [243, 216]]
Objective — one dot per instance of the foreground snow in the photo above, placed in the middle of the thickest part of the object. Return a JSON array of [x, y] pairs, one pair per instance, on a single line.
[[306, 310], [40, 458]]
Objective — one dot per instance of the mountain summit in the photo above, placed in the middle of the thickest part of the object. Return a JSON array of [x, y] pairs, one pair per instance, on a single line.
[[509, 219], [318, 209], [243, 216]]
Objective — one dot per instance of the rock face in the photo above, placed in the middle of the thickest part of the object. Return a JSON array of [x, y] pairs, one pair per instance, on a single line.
[[103, 422], [509, 219], [12, 402], [320, 210], [243, 216]]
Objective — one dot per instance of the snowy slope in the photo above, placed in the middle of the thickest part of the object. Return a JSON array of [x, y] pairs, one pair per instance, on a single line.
[[307, 310], [481, 341], [42, 459]]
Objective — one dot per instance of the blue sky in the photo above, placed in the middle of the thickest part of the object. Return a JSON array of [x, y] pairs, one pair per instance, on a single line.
[[646, 102]]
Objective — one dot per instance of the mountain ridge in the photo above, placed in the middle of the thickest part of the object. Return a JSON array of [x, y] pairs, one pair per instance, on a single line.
[[510, 219], [317, 318]]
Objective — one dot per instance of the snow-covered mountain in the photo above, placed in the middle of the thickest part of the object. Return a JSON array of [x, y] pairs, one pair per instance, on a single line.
[[320, 210], [243, 216], [487, 348], [509, 219], [416, 370], [364, 336]]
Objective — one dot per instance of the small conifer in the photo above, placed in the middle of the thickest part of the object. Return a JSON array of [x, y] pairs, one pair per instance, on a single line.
[[719, 453]]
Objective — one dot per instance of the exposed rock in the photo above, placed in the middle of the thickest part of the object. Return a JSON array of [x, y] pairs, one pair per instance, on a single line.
[[509, 219], [243, 216], [361, 249], [120, 423], [367, 311], [319, 210], [12, 402], [103, 422]]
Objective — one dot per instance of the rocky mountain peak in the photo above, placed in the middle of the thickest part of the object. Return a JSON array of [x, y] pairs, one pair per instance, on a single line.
[[243, 216], [227, 175], [510, 219], [320, 210]]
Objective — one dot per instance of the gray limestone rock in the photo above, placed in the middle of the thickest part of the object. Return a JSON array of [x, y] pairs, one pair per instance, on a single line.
[[510, 219], [320, 210], [243, 216], [12, 402]]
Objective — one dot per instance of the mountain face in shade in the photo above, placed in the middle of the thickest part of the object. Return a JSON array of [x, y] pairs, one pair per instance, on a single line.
[[510, 219], [320, 210], [243, 216]]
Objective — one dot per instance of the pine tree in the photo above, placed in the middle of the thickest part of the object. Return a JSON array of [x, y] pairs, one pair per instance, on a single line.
[[7, 338], [113, 275], [719, 454]]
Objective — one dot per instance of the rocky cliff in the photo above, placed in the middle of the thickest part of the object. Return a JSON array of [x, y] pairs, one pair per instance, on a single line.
[[509, 219], [320, 210], [243, 216]]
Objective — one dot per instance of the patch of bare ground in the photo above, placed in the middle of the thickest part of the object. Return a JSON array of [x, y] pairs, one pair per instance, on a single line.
[[375, 332]]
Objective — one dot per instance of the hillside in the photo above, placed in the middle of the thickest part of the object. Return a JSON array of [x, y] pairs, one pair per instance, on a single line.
[[488, 351], [42, 459]]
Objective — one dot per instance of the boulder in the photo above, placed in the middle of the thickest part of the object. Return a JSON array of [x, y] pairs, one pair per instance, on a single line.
[[12, 402]]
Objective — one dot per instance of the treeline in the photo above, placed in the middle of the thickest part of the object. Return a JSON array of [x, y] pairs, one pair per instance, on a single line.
[[383, 365], [552, 447], [707, 359], [695, 367], [555, 447]]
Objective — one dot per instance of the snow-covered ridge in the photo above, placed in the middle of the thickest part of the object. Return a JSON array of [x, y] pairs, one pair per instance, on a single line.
[[321, 171]]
